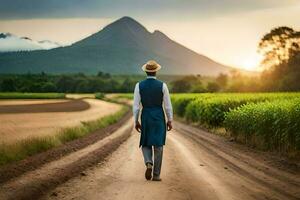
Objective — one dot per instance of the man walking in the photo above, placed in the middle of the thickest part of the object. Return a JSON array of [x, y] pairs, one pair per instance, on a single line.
[[152, 94]]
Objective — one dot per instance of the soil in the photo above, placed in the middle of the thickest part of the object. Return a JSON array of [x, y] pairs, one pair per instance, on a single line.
[[196, 165], [65, 106]]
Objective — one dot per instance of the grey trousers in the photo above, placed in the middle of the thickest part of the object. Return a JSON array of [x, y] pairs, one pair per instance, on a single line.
[[148, 158]]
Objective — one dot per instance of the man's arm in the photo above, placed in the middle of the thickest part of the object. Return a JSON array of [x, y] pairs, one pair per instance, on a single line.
[[136, 107], [168, 106]]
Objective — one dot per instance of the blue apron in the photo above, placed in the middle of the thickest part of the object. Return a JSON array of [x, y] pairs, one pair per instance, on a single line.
[[153, 131]]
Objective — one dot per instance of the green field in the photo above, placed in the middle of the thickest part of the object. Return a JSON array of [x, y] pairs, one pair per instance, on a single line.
[[269, 121], [20, 95]]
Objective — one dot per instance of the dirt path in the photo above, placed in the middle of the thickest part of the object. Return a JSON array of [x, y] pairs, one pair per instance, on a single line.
[[197, 165]]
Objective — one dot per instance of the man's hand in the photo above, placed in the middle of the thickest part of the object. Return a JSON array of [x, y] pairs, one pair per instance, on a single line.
[[138, 126], [169, 125]]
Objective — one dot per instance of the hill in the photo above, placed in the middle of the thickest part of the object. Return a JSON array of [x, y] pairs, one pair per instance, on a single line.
[[119, 48]]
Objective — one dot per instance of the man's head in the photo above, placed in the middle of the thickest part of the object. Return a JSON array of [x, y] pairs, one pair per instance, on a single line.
[[151, 67]]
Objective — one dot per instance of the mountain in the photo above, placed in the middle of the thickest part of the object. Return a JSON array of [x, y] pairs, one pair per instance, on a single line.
[[122, 47], [10, 42]]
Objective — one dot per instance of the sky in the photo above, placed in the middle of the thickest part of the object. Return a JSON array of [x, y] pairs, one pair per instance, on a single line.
[[227, 31]]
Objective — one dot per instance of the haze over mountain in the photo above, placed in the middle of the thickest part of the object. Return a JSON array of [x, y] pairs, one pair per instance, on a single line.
[[119, 48], [10, 42]]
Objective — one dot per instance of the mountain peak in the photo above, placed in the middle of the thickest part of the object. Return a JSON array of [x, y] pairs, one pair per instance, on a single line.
[[127, 22], [120, 31], [127, 19]]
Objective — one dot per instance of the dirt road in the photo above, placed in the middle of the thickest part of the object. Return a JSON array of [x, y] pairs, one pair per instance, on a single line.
[[197, 165]]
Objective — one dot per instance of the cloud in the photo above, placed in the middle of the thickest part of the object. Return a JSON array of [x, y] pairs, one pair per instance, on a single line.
[[10, 42]]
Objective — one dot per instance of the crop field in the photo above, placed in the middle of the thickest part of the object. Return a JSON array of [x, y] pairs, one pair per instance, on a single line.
[[269, 121]]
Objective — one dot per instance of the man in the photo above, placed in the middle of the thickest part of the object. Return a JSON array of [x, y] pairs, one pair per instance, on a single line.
[[152, 94]]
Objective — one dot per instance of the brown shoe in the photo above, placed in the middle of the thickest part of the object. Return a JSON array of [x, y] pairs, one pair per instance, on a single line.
[[148, 173], [156, 178]]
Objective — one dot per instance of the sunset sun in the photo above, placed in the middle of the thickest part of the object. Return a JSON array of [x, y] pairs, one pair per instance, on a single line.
[[251, 64]]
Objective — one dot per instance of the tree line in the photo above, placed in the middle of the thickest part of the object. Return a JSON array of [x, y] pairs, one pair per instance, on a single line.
[[67, 83]]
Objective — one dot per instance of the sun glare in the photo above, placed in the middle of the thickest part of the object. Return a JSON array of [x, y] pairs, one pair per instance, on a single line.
[[251, 64]]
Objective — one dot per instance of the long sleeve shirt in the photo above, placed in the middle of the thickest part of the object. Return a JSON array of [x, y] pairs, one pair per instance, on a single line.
[[166, 101]]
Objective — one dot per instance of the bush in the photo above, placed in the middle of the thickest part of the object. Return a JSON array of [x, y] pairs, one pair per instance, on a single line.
[[180, 104], [99, 95]]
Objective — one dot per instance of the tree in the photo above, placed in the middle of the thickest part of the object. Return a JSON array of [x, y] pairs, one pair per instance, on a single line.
[[278, 46], [103, 75], [83, 87], [181, 85], [281, 50], [48, 87], [222, 80], [66, 84], [8, 85], [187, 84], [128, 85], [100, 74], [213, 87]]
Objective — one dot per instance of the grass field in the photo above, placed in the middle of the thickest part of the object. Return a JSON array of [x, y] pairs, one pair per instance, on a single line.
[[19, 95]]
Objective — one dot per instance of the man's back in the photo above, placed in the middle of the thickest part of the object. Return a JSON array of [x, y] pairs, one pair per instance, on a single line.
[[151, 91]]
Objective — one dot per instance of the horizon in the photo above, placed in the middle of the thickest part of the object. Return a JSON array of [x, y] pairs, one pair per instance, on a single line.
[[228, 35]]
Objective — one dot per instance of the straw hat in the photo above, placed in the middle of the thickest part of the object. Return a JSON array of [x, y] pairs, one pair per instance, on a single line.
[[151, 66]]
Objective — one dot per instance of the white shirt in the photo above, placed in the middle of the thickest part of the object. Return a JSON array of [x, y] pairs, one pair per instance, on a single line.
[[166, 101]]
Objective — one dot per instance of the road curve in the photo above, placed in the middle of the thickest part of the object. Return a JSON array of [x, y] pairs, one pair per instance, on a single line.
[[196, 165]]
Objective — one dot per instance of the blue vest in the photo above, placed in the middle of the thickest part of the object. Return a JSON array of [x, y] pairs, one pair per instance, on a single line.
[[153, 132]]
